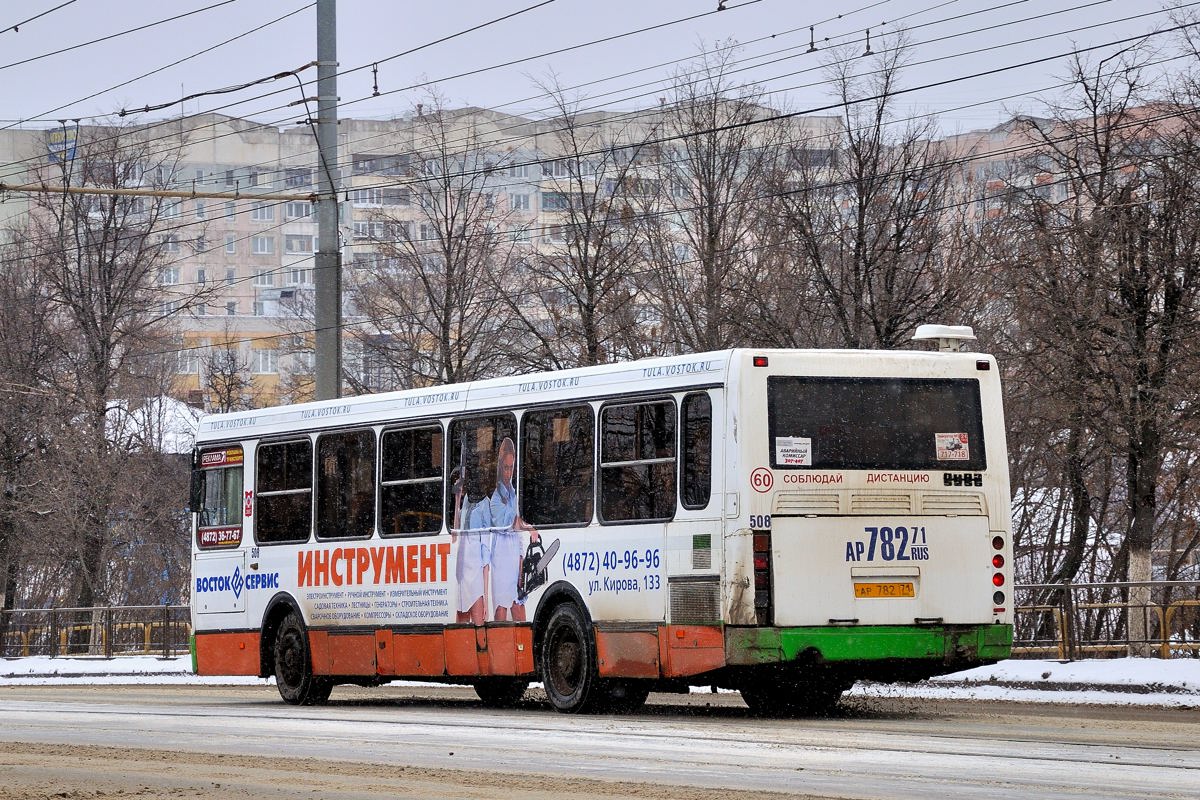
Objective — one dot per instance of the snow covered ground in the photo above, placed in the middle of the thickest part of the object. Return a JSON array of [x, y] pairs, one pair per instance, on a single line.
[[1124, 681]]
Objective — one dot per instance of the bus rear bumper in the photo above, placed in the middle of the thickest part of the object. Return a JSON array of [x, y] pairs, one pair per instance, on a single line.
[[935, 646]]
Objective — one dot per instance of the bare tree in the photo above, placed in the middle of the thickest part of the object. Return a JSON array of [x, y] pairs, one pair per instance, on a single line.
[[105, 262], [874, 215], [429, 289], [1110, 273], [709, 185], [575, 299]]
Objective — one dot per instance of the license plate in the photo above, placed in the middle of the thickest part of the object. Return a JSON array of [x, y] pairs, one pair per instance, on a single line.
[[897, 589]]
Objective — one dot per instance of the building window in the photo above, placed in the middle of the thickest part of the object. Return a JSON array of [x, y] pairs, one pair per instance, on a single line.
[[262, 245], [260, 308], [293, 243], [230, 276], [263, 360], [231, 308], [230, 178], [201, 213], [172, 209], [230, 209], [231, 244], [264, 277], [201, 310], [518, 202], [168, 276], [201, 275], [298, 277], [262, 212], [187, 362], [297, 209], [297, 177], [519, 233], [170, 243]]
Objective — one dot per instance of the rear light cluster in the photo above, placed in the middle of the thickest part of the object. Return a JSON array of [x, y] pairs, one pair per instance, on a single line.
[[762, 577], [998, 597]]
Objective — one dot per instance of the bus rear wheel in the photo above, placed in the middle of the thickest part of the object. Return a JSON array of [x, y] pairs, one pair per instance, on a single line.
[[500, 692], [779, 697], [568, 662], [293, 665]]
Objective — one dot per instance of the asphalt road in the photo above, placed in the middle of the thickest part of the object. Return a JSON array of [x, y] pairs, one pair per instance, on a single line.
[[240, 742]]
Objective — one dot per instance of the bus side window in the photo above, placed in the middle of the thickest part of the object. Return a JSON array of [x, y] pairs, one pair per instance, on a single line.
[[696, 446], [410, 489], [557, 462], [284, 489], [637, 462], [346, 484]]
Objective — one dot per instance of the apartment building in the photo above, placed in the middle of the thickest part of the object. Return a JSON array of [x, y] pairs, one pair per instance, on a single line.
[[244, 262]]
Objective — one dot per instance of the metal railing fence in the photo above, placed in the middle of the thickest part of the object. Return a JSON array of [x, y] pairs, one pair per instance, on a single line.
[[1092, 620], [1058, 621], [106, 631]]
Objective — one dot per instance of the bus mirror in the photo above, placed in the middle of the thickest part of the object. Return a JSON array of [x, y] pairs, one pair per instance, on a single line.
[[196, 495]]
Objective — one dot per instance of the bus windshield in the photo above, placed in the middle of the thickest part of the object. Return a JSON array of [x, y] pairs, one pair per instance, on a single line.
[[875, 423]]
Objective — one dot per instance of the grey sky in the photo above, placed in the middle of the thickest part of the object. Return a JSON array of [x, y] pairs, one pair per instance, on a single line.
[[372, 30]]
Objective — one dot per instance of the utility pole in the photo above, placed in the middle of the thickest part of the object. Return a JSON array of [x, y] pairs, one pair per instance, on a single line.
[[328, 268]]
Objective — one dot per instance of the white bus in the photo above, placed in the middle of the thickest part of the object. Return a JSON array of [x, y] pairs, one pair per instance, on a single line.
[[780, 522]]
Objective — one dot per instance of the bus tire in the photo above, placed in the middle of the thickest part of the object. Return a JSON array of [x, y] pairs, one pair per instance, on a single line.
[[500, 692], [568, 662], [294, 676], [784, 698]]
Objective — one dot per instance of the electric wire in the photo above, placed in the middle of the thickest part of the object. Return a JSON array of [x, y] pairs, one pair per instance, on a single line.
[[116, 35], [16, 28]]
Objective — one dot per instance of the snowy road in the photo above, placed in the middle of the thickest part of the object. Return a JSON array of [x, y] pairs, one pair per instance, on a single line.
[[874, 748]]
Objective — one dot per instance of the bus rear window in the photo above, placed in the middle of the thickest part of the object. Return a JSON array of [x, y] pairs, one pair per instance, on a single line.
[[875, 423]]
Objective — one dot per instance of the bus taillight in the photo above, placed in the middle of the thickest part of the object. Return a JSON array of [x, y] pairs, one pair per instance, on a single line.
[[762, 577]]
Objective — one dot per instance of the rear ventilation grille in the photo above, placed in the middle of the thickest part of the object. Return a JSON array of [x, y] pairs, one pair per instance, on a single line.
[[892, 503], [962, 504], [866, 502], [695, 601], [801, 503]]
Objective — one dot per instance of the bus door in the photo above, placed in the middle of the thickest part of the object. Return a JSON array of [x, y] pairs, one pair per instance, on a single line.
[[219, 563]]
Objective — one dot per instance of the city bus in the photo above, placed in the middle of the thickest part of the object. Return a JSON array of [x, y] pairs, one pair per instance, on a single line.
[[778, 522]]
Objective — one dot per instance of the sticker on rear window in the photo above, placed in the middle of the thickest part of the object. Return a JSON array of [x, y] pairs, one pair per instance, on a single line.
[[793, 451], [952, 447]]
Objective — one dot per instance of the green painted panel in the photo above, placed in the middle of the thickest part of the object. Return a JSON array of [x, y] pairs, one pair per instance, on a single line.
[[869, 643]]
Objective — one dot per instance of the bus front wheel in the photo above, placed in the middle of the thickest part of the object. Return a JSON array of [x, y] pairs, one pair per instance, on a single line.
[[568, 662], [293, 666]]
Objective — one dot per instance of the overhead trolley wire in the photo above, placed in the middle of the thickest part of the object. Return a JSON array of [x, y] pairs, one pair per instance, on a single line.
[[116, 35], [16, 27]]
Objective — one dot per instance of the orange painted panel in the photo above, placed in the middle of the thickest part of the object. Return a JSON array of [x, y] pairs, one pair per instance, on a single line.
[[416, 654], [351, 654], [385, 653], [227, 653], [691, 649], [627, 654], [462, 650], [318, 647], [511, 649]]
